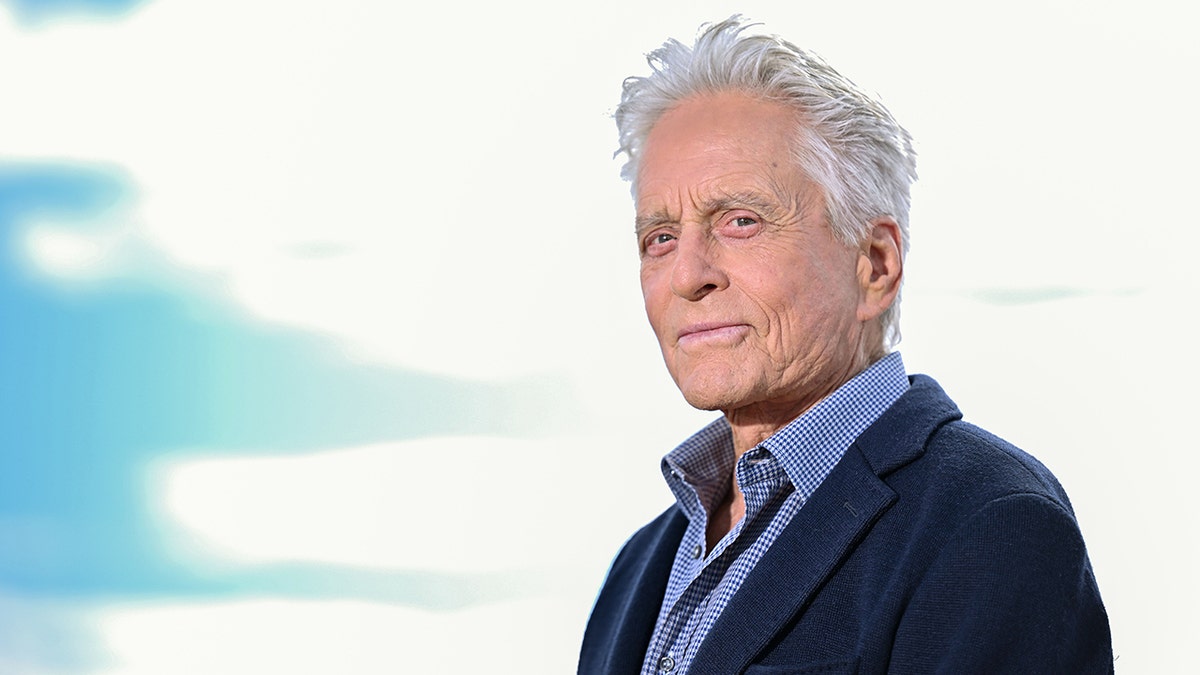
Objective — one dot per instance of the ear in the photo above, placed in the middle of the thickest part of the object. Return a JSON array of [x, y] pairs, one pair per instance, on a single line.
[[880, 267]]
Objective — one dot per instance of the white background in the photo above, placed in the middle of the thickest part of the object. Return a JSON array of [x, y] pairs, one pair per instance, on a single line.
[[456, 161]]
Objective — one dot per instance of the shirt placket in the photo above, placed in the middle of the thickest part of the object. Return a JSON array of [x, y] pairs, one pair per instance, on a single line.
[[760, 477]]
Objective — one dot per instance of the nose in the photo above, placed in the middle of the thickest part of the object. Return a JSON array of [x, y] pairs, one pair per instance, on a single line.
[[695, 272]]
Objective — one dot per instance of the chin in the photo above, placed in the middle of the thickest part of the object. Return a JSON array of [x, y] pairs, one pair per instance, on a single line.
[[712, 389], [702, 402]]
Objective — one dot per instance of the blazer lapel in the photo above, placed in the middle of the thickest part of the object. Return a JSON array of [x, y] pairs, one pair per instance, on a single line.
[[810, 548], [824, 531]]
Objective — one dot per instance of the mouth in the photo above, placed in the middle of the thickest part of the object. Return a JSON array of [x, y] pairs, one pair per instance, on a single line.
[[710, 332]]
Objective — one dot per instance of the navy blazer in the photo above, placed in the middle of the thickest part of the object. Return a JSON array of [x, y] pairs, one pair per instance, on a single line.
[[932, 547]]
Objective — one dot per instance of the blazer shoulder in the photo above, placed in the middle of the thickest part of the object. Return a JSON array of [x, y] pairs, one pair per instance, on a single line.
[[943, 466], [961, 451]]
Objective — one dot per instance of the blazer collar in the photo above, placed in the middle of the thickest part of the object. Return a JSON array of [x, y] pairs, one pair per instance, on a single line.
[[825, 530], [899, 435]]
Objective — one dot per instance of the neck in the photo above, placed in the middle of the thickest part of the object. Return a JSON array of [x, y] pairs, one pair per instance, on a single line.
[[752, 424]]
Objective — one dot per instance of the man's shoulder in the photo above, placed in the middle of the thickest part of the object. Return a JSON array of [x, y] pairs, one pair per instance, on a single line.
[[961, 455], [923, 446]]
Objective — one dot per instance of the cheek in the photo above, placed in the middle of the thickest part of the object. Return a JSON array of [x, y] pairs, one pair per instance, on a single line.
[[779, 301], [798, 315], [653, 276], [655, 301]]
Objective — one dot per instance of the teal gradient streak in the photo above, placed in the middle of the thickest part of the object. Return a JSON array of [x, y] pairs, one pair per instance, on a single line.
[[37, 12], [96, 385]]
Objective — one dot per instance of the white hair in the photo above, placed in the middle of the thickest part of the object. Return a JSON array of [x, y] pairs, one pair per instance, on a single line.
[[847, 142]]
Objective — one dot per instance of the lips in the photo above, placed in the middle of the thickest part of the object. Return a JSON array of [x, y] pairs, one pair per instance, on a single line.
[[710, 332]]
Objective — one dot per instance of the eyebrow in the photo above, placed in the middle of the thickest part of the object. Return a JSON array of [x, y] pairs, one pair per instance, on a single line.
[[650, 220], [723, 201], [765, 206]]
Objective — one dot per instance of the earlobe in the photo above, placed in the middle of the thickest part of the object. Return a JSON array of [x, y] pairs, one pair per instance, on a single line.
[[880, 268]]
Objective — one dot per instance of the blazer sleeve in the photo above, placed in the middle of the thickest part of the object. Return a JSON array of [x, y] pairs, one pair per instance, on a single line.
[[1011, 592]]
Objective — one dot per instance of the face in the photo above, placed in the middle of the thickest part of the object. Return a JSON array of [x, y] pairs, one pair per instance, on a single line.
[[756, 304]]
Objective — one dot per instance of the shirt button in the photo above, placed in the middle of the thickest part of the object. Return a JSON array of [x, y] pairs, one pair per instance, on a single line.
[[666, 664], [699, 551]]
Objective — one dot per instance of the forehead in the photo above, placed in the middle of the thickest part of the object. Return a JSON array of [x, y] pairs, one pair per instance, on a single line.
[[713, 145]]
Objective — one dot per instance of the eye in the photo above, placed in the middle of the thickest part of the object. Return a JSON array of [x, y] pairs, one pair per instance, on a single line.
[[658, 243], [741, 224]]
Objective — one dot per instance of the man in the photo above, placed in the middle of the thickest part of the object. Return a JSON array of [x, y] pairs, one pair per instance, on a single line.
[[840, 517]]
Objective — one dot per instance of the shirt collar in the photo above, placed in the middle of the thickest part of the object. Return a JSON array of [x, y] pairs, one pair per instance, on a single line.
[[808, 447]]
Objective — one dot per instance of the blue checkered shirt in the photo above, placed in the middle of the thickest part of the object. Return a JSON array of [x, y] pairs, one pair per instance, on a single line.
[[776, 478]]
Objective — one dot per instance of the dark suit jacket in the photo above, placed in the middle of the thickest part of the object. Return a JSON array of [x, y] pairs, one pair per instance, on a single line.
[[932, 547]]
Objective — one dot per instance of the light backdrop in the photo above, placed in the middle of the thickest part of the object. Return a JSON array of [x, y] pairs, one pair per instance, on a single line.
[[321, 347]]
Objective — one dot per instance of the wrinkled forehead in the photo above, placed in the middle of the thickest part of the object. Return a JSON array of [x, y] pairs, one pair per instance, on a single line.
[[727, 127], [713, 151]]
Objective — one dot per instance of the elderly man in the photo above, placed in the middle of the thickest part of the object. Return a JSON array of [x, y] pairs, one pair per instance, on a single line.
[[840, 517]]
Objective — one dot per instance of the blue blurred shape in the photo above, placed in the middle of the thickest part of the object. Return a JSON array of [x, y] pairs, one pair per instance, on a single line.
[[41, 11], [30, 190], [95, 385], [1030, 296]]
